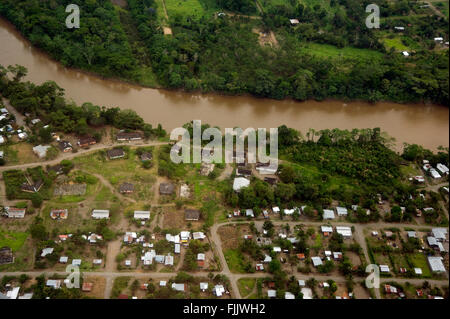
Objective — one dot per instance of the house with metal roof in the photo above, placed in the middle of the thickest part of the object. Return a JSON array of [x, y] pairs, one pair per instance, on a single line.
[[341, 211], [126, 188], [100, 213], [328, 214], [198, 235], [289, 295], [317, 261], [326, 229], [307, 293], [191, 214], [13, 212], [166, 188], [439, 233], [115, 153], [168, 261], [345, 231], [384, 268], [41, 150], [55, 284], [436, 264], [239, 183], [46, 251], [178, 287], [219, 290], [76, 262], [141, 214]]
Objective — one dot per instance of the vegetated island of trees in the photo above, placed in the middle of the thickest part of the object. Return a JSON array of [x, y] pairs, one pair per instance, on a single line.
[[47, 102], [222, 54]]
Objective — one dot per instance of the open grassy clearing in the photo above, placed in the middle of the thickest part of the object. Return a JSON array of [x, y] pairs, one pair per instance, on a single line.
[[13, 240], [246, 286], [330, 51], [313, 173], [20, 153], [420, 261], [196, 8], [118, 171], [234, 260]]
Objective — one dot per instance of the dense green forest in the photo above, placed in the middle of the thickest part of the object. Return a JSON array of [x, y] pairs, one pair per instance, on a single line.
[[223, 54]]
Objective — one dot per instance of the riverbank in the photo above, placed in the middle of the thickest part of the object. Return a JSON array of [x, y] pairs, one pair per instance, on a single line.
[[423, 124]]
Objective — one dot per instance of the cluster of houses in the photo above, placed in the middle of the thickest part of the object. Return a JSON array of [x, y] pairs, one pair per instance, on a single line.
[[306, 292], [57, 284], [7, 124], [435, 173], [436, 238], [149, 255], [217, 290], [92, 238], [328, 214], [344, 231], [13, 293]]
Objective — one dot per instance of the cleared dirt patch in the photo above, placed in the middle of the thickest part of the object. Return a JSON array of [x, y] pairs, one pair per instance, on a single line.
[[265, 37], [360, 292], [231, 234], [174, 218], [70, 189], [354, 258], [98, 288], [167, 31]]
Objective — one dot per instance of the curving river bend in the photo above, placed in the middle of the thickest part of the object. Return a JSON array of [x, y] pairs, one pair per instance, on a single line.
[[427, 125]]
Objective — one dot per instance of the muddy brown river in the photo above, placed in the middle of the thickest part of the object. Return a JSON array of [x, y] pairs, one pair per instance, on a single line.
[[427, 125]]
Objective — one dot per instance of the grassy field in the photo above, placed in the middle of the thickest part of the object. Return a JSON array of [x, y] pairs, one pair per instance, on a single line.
[[120, 170], [246, 286], [197, 8], [395, 43], [20, 153], [13, 240], [234, 260], [313, 173], [266, 4], [318, 242], [420, 261], [120, 284]]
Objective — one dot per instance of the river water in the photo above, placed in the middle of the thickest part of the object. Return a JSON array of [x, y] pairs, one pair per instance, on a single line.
[[427, 125]]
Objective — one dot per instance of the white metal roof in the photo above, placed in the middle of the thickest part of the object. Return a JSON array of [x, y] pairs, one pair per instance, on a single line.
[[289, 295], [317, 261], [100, 213], [326, 229], [436, 264], [384, 268], [328, 214], [341, 211], [140, 214], [239, 183]]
